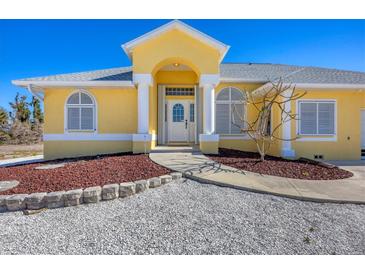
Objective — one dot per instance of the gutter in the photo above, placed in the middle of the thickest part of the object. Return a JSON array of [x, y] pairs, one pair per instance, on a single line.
[[43, 84], [32, 90]]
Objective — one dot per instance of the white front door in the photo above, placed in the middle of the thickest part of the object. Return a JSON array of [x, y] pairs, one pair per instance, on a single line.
[[363, 134], [179, 121]]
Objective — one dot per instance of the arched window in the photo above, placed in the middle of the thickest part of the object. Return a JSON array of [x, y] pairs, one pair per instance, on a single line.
[[178, 113], [230, 111], [80, 112]]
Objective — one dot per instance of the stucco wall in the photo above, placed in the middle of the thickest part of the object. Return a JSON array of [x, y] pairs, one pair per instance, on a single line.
[[348, 146], [116, 109]]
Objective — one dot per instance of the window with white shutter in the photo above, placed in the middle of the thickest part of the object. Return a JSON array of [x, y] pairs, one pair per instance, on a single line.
[[230, 111], [317, 117], [80, 111]]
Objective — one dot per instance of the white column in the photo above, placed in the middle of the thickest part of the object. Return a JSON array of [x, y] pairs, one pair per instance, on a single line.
[[143, 82], [209, 109], [286, 148], [143, 108]]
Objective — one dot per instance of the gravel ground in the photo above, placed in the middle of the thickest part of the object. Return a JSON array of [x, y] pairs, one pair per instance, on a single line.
[[189, 218]]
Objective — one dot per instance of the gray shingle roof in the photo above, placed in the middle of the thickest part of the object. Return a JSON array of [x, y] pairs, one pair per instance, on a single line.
[[231, 71], [113, 74], [292, 74]]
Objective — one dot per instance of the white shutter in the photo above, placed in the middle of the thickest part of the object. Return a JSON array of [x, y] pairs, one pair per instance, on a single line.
[[73, 118], [326, 118], [308, 118], [87, 117], [237, 111], [222, 118]]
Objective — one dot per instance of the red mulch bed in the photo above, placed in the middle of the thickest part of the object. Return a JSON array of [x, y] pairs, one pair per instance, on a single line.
[[81, 173], [298, 169]]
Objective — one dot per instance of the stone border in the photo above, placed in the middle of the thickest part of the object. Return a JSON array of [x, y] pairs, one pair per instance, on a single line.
[[95, 194]]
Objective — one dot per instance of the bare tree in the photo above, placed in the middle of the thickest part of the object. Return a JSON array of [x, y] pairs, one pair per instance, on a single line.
[[274, 95]]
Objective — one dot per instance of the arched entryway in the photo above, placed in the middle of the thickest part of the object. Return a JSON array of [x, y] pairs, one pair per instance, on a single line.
[[177, 92]]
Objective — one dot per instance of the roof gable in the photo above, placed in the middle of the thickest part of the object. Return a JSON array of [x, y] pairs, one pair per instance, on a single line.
[[176, 24]]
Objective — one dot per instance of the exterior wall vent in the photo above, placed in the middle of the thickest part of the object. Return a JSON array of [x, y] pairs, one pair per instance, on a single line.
[[318, 156]]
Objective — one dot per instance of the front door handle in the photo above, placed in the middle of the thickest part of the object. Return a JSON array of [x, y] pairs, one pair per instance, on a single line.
[[186, 124]]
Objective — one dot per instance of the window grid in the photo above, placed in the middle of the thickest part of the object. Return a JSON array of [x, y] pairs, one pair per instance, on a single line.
[[81, 106], [192, 113], [229, 102], [179, 91], [317, 103], [178, 113]]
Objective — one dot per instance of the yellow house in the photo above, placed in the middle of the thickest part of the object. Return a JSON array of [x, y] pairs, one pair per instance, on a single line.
[[178, 91]]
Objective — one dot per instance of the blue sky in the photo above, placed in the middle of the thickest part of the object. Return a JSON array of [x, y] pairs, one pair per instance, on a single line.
[[42, 47]]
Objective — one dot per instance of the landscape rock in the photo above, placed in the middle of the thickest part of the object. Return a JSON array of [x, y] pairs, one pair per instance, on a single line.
[[16, 202], [35, 200], [127, 189], [110, 192], [141, 185], [3, 202], [50, 166], [55, 199], [73, 197], [92, 194], [176, 176], [154, 182], [6, 185], [166, 179]]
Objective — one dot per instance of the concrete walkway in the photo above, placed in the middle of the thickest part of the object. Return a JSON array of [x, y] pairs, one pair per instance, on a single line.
[[21, 161], [198, 167]]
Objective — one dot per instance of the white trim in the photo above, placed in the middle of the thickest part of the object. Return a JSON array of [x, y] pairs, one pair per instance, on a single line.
[[46, 83], [208, 79], [87, 137], [176, 24], [209, 138], [95, 112], [92, 136], [241, 80], [234, 137], [196, 136], [143, 137], [143, 79], [209, 109], [315, 137], [330, 87], [143, 108], [286, 148]]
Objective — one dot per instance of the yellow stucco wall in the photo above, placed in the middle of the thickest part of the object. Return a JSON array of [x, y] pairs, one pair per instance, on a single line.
[[116, 113], [175, 46], [116, 109], [348, 144], [115, 103], [67, 149]]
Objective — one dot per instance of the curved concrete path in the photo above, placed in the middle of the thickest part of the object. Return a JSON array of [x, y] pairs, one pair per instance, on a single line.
[[194, 165]]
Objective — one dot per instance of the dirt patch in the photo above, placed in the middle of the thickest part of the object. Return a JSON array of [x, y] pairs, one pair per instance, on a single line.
[[81, 173], [297, 169], [16, 151]]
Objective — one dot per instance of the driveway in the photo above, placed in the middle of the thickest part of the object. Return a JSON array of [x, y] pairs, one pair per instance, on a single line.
[[189, 218]]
